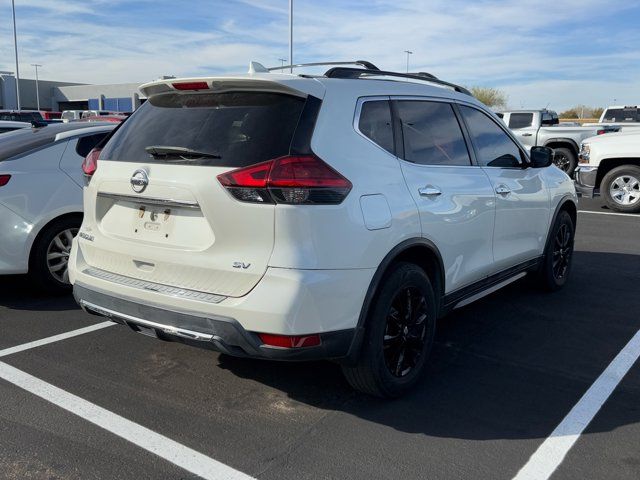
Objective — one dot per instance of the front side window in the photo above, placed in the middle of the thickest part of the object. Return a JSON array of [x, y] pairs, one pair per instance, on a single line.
[[520, 120], [432, 135], [494, 147], [375, 123]]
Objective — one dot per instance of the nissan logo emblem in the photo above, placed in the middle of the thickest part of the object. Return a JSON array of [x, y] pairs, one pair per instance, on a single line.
[[139, 181]]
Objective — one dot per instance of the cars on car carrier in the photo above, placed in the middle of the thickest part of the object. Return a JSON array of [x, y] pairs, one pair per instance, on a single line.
[[297, 217]]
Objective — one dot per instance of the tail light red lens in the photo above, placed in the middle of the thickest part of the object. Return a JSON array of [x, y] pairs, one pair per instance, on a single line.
[[288, 341], [301, 179], [90, 162], [4, 179], [190, 85]]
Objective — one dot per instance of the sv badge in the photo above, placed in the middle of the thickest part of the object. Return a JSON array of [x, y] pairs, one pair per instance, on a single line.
[[242, 265]]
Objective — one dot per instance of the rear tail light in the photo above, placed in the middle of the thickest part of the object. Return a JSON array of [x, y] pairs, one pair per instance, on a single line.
[[90, 162], [190, 85], [4, 179], [289, 341], [296, 180]]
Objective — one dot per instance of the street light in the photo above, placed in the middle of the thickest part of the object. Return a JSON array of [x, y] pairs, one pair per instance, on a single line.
[[408, 52], [37, 89], [282, 60], [291, 35], [15, 45]]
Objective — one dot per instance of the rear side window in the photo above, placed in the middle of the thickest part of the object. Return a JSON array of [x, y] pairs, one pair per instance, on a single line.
[[494, 147], [520, 120], [432, 135], [241, 128], [375, 123], [86, 144]]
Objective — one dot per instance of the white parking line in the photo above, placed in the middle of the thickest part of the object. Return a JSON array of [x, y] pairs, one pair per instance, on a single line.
[[635, 215], [551, 453], [54, 338], [164, 447]]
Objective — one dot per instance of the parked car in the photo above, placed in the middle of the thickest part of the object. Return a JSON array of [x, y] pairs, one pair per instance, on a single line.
[[610, 166], [71, 115], [41, 184], [96, 113], [46, 115], [288, 217], [21, 116], [540, 127], [9, 126], [114, 118], [622, 116]]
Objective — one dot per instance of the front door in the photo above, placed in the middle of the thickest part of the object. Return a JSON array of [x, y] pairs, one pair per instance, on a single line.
[[522, 201]]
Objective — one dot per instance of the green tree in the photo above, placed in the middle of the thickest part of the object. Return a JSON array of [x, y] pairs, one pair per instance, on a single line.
[[491, 97]]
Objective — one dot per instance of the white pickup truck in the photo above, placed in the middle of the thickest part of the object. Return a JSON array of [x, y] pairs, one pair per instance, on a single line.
[[540, 128], [610, 166], [624, 117]]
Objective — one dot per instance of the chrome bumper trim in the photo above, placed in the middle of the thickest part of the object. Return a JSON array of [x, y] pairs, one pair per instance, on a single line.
[[181, 332], [154, 287], [163, 202]]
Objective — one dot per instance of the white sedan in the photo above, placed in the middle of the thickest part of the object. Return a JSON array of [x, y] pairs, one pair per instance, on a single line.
[[41, 183]]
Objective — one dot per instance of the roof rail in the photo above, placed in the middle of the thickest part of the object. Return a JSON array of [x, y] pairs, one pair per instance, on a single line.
[[362, 63], [345, 72]]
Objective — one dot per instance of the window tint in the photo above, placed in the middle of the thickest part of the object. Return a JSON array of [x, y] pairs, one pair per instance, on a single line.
[[494, 147], [621, 115], [243, 128], [85, 144], [375, 123], [520, 120], [432, 135]]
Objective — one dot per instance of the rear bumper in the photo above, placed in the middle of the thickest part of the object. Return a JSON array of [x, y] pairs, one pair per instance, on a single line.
[[586, 181], [223, 334], [14, 239]]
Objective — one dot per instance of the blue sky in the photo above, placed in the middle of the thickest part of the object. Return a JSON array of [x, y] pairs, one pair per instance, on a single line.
[[560, 53]]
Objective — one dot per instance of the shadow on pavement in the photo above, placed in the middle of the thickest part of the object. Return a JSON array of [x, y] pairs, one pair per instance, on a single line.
[[509, 366], [17, 292]]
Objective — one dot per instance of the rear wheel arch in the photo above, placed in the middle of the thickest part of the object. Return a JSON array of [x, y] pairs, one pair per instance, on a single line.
[[418, 251]]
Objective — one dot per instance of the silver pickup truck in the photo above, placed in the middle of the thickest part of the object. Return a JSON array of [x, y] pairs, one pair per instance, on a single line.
[[540, 128]]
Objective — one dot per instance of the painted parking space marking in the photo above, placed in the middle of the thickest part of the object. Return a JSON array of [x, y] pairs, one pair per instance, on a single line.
[[54, 338], [153, 442], [551, 453], [635, 215]]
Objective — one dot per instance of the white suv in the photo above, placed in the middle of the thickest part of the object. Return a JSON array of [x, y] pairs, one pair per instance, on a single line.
[[298, 217]]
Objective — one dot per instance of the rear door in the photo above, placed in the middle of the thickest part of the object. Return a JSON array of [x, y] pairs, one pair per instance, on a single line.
[[160, 212], [522, 199], [523, 127], [454, 198]]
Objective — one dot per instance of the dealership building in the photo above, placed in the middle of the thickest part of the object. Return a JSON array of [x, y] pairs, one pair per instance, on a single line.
[[59, 96]]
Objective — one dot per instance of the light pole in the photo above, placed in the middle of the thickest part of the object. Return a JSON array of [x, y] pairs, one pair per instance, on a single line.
[[291, 35], [282, 60], [37, 89], [408, 52], [15, 45]]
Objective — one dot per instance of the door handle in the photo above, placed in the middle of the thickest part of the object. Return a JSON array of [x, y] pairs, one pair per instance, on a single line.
[[527, 134], [429, 191], [503, 190]]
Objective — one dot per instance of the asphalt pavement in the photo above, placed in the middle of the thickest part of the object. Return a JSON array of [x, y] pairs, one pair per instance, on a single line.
[[504, 373]]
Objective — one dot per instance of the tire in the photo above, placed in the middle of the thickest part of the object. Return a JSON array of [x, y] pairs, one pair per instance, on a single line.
[[50, 255], [621, 189], [556, 263], [565, 159], [390, 372]]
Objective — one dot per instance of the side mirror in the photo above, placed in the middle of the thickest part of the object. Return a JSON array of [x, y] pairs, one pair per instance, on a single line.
[[550, 121], [541, 157]]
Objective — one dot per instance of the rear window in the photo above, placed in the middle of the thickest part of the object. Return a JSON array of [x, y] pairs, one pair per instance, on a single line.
[[520, 120], [242, 128], [621, 115]]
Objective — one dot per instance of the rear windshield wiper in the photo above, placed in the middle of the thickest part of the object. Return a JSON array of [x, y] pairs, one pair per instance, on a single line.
[[163, 151]]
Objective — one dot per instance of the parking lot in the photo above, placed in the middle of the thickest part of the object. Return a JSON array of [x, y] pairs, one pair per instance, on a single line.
[[504, 373]]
